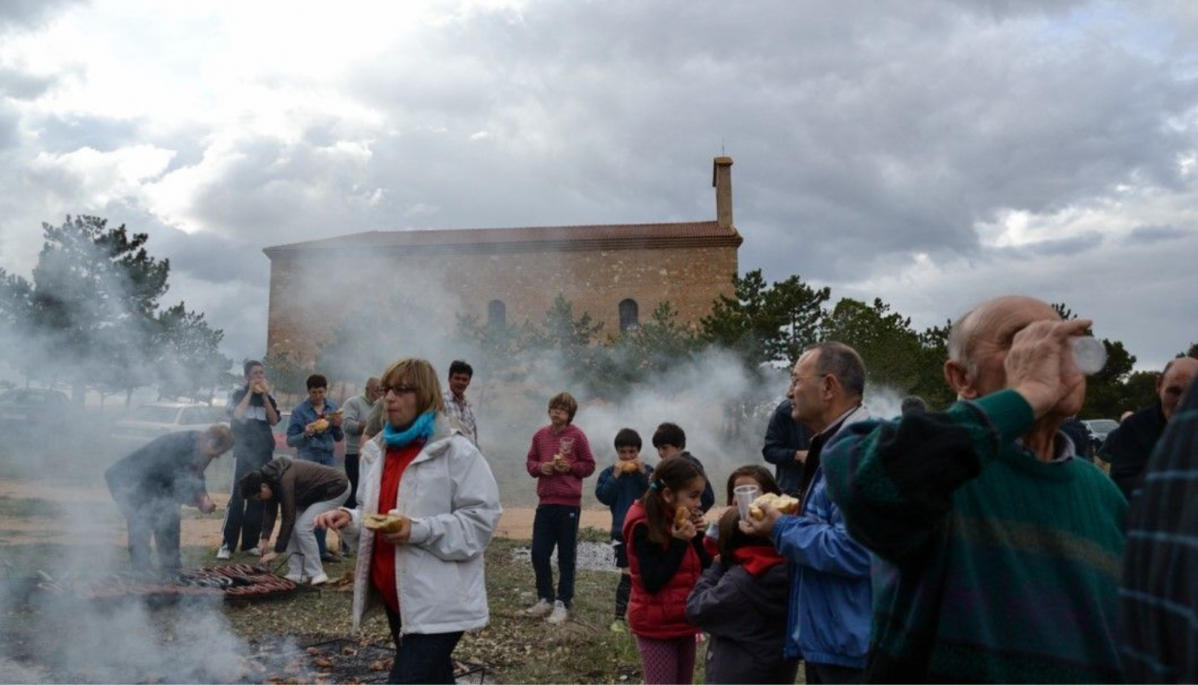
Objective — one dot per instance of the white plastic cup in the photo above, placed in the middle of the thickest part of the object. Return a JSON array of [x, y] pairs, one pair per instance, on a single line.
[[1089, 354], [744, 495]]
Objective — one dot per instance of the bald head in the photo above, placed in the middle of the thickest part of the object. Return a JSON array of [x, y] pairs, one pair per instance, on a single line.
[[979, 341], [1174, 382]]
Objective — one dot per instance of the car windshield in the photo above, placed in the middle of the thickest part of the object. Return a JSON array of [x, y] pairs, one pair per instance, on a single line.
[[155, 414]]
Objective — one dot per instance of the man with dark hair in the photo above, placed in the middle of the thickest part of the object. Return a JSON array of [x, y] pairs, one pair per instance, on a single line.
[[786, 442], [996, 550], [150, 484], [670, 441], [912, 403], [252, 411], [1128, 447], [456, 404], [314, 430], [1159, 591], [830, 597]]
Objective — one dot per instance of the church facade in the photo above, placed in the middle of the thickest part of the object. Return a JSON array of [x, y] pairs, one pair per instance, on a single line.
[[616, 273]]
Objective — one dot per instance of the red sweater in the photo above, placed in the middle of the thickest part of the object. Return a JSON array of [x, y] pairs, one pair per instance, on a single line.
[[560, 488], [382, 558]]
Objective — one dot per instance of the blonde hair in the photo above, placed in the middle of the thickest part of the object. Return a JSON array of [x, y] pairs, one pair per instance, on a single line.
[[421, 375]]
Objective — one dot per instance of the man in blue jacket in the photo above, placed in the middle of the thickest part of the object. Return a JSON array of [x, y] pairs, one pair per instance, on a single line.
[[830, 597], [314, 430]]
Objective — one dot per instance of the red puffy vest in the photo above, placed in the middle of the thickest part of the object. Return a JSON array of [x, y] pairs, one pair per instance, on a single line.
[[661, 615]]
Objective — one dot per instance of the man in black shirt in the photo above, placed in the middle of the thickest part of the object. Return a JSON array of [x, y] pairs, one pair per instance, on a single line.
[[786, 442], [150, 484], [252, 411]]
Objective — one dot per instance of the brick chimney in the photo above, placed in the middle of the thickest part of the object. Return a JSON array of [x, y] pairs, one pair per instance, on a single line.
[[721, 180]]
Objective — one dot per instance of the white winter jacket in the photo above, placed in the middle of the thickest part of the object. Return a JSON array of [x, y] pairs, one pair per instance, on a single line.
[[451, 497]]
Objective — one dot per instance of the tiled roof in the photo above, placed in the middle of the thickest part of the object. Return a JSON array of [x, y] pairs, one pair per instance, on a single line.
[[600, 237]]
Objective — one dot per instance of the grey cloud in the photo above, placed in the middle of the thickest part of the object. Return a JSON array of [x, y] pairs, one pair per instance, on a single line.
[[21, 85], [29, 14], [61, 134], [1146, 235]]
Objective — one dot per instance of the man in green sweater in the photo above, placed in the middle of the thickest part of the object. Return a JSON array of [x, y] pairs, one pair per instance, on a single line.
[[998, 550]]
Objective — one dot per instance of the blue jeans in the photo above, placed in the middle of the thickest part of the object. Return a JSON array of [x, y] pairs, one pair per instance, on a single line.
[[421, 658], [555, 525]]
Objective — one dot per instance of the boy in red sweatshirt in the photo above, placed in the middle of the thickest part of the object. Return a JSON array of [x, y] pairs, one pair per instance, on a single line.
[[559, 458]]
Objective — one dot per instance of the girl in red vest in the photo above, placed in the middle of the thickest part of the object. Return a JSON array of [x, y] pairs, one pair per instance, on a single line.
[[665, 558]]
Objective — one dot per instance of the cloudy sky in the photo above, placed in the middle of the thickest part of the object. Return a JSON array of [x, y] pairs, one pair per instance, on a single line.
[[931, 153]]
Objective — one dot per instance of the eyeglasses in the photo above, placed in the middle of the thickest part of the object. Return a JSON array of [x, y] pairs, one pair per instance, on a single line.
[[397, 389]]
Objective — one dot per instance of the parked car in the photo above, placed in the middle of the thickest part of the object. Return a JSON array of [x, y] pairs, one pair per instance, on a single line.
[[1099, 429], [34, 409], [155, 419], [282, 449]]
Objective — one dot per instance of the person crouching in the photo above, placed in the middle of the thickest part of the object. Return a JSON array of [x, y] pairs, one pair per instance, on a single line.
[[302, 490]]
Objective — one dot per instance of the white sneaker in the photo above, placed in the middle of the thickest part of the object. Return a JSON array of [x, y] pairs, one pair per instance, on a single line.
[[254, 551], [320, 579], [539, 610], [559, 615], [223, 553]]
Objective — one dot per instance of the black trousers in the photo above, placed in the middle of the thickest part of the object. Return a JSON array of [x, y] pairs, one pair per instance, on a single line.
[[150, 518], [555, 525], [421, 658], [243, 518], [351, 471], [831, 675]]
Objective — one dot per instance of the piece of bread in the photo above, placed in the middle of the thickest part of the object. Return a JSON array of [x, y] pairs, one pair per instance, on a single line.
[[681, 516], [384, 523], [320, 425], [783, 503], [629, 466]]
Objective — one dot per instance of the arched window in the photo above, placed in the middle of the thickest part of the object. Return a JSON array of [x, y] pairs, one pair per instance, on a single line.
[[629, 315], [496, 314]]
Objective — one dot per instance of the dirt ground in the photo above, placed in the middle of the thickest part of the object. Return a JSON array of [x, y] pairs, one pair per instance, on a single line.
[[88, 516]]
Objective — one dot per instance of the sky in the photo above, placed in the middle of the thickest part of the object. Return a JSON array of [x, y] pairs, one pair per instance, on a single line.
[[928, 152]]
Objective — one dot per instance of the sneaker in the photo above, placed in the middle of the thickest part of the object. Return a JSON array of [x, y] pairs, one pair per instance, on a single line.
[[295, 578], [254, 551], [559, 615], [618, 626], [224, 553], [539, 610], [320, 579]]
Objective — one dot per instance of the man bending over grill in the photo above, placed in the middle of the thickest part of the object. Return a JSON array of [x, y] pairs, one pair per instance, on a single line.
[[302, 490]]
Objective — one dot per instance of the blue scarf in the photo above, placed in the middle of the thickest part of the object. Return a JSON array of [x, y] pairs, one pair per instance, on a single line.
[[422, 427]]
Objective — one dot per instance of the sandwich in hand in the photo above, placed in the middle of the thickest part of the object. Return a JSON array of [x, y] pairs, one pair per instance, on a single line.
[[629, 466], [783, 503], [681, 516], [384, 523], [320, 425]]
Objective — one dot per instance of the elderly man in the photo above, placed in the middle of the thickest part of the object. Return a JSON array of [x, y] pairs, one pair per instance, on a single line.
[[998, 550], [829, 615], [1128, 447], [1159, 595], [357, 411]]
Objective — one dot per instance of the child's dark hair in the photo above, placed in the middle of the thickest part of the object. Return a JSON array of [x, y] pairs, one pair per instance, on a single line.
[[674, 474], [316, 381], [250, 484], [628, 438], [566, 402], [733, 538], [765, 480], [669, 434]]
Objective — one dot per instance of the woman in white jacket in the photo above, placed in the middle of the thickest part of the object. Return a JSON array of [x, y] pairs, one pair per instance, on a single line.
[[428, 575]]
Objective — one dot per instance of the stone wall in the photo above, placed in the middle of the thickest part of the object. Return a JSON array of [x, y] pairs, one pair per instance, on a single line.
[[312, 291]]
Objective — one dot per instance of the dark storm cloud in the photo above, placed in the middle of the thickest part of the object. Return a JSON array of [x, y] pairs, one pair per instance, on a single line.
[[1146, 235]]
